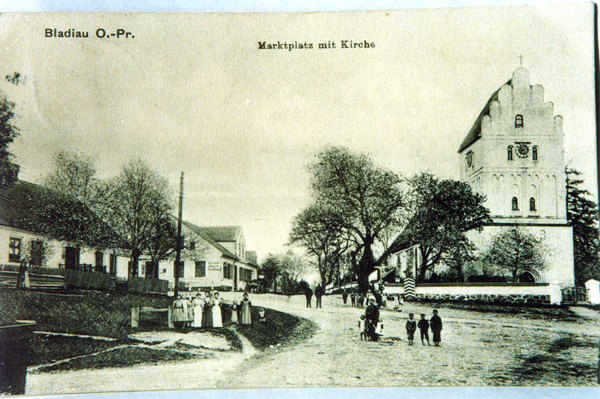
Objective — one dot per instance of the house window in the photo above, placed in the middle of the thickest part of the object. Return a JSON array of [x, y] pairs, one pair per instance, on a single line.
[[518, 121], [534, 153], [509, 153], [228, 271], [14, 250], [37, 249], [99, 260], [532, 204], [192, 245], [180, 269], [515, 204], [200, 268], [245, 275], [113, 264]]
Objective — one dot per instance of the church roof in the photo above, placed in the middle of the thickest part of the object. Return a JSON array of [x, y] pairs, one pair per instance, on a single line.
[[475, 132]]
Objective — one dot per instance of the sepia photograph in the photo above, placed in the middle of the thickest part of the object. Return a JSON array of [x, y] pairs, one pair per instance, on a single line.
[[352, 199]]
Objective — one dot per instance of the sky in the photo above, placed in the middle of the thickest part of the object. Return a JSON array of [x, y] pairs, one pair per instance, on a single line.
[[193, 93]]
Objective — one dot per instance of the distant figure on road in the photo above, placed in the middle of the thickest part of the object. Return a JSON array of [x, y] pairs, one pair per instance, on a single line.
[[424, 328], [319, 292], [411, 327], [436, 328], [362, 328], [353, 299], [344, 296], [308, 293], [372, 316], [246, 306]]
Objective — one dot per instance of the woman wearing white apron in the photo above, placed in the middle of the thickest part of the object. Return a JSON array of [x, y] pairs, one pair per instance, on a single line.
[[216, 311], [198, 304]]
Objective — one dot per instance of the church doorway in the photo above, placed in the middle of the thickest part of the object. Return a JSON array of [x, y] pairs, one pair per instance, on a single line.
[[526, 278]]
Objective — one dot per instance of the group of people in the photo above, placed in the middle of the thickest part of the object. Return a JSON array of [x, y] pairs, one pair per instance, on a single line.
[[206, 311], [319, 292], [435, 323], [371, 325]]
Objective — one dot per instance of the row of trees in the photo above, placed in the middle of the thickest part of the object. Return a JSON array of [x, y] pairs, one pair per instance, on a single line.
[[357, 207]]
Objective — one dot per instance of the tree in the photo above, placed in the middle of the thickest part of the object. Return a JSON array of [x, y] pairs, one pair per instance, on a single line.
[[9, 171], [133, 204], [443, 211], [366, 198], [73, 174], [582, 214], [516, 251], [270, 269], [318, 230], [284, 268]]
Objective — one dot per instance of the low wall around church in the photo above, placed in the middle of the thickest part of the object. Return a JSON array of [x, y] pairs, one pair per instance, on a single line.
[[487, 292]]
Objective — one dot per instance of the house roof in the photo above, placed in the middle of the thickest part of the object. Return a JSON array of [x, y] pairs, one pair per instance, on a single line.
[[252, 258], [222, 233], [475, 131], [201, 231], [43, 211]]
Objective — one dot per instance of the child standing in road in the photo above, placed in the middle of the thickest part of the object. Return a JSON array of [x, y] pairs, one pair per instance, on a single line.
[[411, 327], [424, 328], [361, 327]]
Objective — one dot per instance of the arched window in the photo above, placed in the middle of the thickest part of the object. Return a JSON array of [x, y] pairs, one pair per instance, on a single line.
[[526, 278], [534, 153], [532, 204], [509, 153], [515, 204], [519, 121]]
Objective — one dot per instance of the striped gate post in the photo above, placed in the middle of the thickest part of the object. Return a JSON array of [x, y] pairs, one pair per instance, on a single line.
[[409, 288]]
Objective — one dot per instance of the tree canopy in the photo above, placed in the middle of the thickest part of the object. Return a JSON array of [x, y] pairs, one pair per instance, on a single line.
[[516, 251], [357, 200], [73, 174], [9, 171], [442, 212]]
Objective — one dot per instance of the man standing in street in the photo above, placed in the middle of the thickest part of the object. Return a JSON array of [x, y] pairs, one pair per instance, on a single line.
[[436, 328], [319, 292], [344, 296], [308, 293]]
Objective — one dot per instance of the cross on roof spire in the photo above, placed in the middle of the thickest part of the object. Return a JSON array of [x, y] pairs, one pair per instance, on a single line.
[[521, 59]]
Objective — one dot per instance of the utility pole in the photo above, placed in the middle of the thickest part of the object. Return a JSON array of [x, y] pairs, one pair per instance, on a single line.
[[178, 262]]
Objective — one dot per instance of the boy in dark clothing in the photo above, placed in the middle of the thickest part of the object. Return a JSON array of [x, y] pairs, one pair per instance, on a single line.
[[424, 328], [436, 328], [308, 293], [411, 327]]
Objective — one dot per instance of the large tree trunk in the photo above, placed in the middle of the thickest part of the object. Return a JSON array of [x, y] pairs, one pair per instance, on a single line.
[[364, 268]]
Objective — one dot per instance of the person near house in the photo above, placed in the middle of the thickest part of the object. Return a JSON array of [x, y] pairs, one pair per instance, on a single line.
[[23, 275], [344, 296], [190, 311], [216, 311], [372, 317], [180, 312], [197, 305], [234, 312], [319, 292], [207, 315], [308, 293], [411, 327], [246, 306], [436, 327], [353, 299], [362, 327], [424, 329]]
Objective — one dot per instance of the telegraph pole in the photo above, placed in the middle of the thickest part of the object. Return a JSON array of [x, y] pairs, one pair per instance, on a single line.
[[178, 245]]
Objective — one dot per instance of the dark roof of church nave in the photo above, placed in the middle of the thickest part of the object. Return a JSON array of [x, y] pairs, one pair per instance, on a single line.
[[475, 132]]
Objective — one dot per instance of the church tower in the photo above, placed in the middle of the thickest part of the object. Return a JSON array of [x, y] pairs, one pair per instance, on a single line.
[[514, 155]]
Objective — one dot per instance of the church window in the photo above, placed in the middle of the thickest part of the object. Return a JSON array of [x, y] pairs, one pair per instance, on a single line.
[[518, 121], [532, 204], [510, 153], [534, 153], [515, 204]]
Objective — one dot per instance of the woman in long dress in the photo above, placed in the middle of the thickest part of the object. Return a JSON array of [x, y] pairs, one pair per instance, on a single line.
[[207, 319], [198, 304], [179, 312], [234, 312], [246, 305], [216, 311]]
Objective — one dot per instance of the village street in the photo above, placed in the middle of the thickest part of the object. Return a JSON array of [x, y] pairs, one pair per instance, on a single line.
[[478, 349]]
